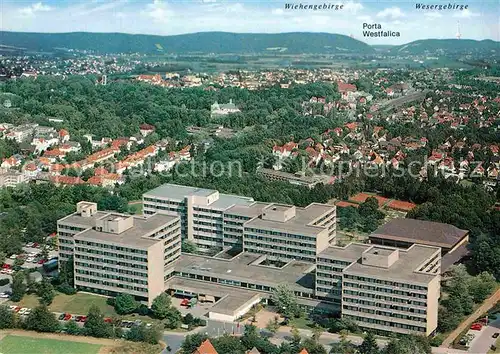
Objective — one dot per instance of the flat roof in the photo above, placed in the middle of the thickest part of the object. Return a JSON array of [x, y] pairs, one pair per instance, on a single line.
[[250, 211], [131, 237], [420, 231], [240, 268], [179, 192], [298, 224], [349, 253], [77, 219], [404, 269]]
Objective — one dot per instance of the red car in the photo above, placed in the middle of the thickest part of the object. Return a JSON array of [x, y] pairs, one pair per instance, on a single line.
[[6, 266], [476, 327], [17, 308], [67, 317], [42, 261], [36, 245], [108, 320]]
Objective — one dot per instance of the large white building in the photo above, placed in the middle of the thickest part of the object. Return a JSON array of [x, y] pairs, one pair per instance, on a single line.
[[215, 220]]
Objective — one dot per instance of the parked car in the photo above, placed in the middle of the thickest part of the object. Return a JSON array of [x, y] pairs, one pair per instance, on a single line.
[[476, 327], [17, 308], [3, 296], [78, 318], [29, 244], [495, 335], [27, 312], [30, 259], [12, 307], [108, 320], [35, 245], [42, 261], [67, 317], [61, 317], [83, 319], [13, 256]]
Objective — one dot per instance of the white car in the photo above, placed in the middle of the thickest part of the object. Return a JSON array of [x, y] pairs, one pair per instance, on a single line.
[[30, 259], [14, 256], [9, 271], [27, 312], [29, 244], [3, 296], [22, 311], [12, 307]]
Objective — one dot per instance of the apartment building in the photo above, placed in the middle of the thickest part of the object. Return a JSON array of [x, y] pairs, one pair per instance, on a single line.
[[212, 219], [11, 178], [117, 253], [394, 290]]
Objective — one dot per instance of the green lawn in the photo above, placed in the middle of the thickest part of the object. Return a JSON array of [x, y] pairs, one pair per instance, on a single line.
[[135, 208], [22, 345], [78, 304], [301, 322]]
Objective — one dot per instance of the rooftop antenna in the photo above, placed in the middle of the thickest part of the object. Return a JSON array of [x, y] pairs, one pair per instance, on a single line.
[[459, 35]]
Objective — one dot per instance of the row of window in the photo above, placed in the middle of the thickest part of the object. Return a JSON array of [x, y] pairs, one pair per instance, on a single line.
[[333, 261], [384, 305], [384, 298], [384, 290], [386, 282], [282, 234], [110, 284], [111, 276], [278, 248], [110, 247], [385, 323], [111, 269], [111, 261], [278, 241], [384, 313]]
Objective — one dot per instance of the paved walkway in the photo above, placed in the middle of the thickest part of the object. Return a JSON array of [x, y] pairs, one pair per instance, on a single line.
[[485, 306]]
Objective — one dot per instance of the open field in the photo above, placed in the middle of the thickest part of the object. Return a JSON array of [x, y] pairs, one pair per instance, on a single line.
[[78, 304], [14, 344]]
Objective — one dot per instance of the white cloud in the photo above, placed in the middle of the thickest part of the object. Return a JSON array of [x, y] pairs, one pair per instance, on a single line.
[[158, 11], [277, 12], [206, 1], [465, 14], [353, 7], [391, 12], [433, 15], [33, 9], [100, 8], [365, 18]]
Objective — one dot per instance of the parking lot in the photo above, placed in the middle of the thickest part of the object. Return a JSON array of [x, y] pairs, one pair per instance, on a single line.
[[485, 337]]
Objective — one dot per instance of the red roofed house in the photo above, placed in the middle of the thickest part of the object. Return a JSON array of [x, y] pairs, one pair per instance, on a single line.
[[10, 162], [63, 135], [66, 180], [205, 348], [146, 129], [345, 89]]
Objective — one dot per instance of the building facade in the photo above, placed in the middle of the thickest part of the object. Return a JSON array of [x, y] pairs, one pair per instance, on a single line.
[[380, 288], [215, 220], [116, 253]]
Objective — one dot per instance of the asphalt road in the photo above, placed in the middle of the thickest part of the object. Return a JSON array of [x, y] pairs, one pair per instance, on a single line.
[[483, 341]]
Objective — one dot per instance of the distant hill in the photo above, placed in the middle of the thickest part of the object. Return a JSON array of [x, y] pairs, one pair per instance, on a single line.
[[446, 46], [205, 42]]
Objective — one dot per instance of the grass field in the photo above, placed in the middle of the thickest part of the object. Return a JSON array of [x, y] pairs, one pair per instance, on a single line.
[[22, 345], [135, 207], [78, 304]]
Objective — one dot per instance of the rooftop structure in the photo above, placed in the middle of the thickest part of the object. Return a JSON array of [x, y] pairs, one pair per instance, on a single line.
[[406, 232]]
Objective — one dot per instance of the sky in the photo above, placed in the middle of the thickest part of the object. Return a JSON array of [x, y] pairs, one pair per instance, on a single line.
[[166, 17]]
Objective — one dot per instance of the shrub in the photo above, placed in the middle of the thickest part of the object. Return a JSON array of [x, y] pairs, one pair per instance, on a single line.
[[4, 281], [188, 319], [66, 289], [143, 310], [110, 301]]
